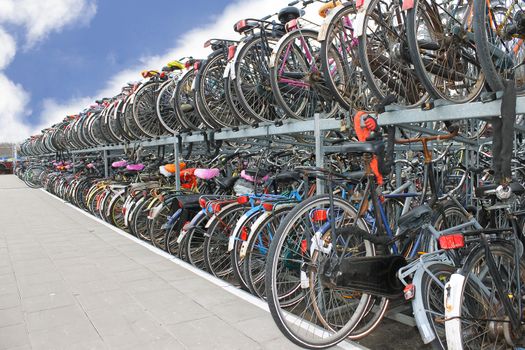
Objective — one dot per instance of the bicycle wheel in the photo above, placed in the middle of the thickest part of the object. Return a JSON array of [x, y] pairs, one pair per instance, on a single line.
[[252, 79], [384, 55], [184, 102], [210, 91], [164, 107], [499, 35], [442, 49], [325, 316], [432, 289], [257, 250], [484, 323], [216, 256], [144, 110], [340, 63], [296, 77]]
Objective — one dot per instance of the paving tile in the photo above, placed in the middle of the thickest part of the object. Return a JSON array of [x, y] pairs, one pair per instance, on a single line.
[[176, 273], [139, 273], [51, 318], [237, 311], [146, 285], [78, 335], [51, 276], [11, 316], [48, 301], [180, 310], [281, 344], [260, 329], [10, 300], [13, 337], [210, 333], [91, 301], [98, 286], [45, 288]]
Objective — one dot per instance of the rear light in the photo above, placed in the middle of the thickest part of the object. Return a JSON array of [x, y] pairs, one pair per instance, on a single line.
[[207, 43], [407, 4], [231, 51], [320, 215], [409, 291], [186, 226], [268, 206], [239, 26], [188, 64], [162, 75], [197, 65], [304, 246], [452, 241], [216, 207], [359, 3], [202, 202], [244, 233], [243, 199]]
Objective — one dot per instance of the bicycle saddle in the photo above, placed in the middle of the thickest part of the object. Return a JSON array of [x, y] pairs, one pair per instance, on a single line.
[[288, 13], [207, 174], [226, 182], [415, 218], [244, 25], [135, 167], [287, 176], [251, 178], [119, 164]]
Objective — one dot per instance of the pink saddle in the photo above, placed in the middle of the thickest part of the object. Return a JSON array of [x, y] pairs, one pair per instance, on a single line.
[[135, 167], [206, 174], [252, 179], [119, 164], [90, 166]]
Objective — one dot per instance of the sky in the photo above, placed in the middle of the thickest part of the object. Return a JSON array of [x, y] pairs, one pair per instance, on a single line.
[[57, 56]]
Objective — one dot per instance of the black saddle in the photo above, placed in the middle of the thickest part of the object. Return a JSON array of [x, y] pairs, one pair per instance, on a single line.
[[226, 182], [487, 190], [373, 147], [415, 218]]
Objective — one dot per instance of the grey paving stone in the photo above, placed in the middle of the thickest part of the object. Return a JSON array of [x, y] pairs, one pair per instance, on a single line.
[[261, 329], [78, 335], [179, 310], [176, 273], [281, 344], [11, 316], [52, 318], [237, 311], [139, 273], [146, 285], [211, 333], [13, 337], [10, 300], [91, 301], [38, 278], [87, 287], [48, 301], [45, 288]]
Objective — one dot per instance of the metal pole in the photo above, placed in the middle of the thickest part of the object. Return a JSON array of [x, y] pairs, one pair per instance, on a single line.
[[106, 160], [319, 154], [14, 157], [73, 160], [177, 164]]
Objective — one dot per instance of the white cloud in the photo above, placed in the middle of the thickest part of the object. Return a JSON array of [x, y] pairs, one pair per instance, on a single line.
[[38, 19], [13, 108], [8, 45], [42, 17]]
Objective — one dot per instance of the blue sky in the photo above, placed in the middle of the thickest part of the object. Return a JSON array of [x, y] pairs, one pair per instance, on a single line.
[[58, 55]]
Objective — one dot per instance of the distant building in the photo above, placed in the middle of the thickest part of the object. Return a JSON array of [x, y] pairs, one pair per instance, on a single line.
[[6, 150]]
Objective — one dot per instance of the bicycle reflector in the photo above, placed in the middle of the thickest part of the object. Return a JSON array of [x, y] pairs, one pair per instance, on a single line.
[[202, 202], [409, 291], [196, 65], [231, 51], [453, 241], [243, 199], [162, 75], [359, 3], [216, 207], [188, 64], [268, 206], [207, 43], [320, 215]]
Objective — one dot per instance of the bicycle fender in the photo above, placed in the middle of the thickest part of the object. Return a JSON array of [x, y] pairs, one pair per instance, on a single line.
[[326, 23], [214, 217], [273, 56], [255, 226], [360, 19], [425, 329], [236, 56], [453, 295], [238, 227]]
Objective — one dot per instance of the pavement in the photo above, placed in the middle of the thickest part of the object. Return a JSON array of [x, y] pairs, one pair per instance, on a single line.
[[68, 281]]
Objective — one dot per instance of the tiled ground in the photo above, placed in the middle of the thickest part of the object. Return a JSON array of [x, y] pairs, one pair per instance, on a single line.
[[69, 282]]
